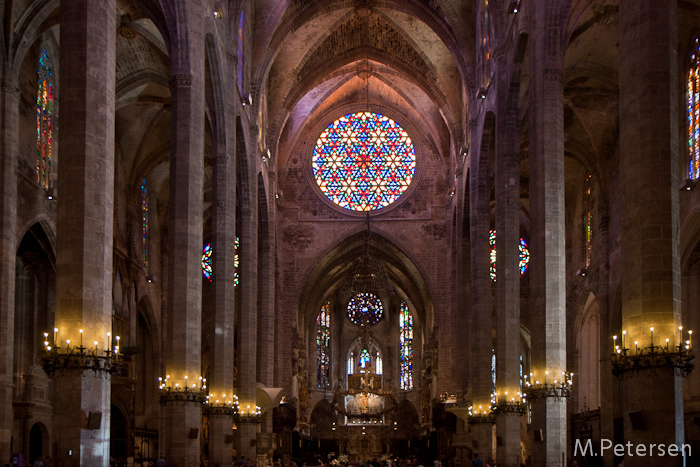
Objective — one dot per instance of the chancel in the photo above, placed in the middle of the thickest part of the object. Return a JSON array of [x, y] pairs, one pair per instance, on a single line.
[[396, 232]]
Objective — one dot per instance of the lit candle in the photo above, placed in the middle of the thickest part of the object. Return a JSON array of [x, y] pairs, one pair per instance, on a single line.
[[666, 344], [95, 342], [690, 338], [624, 333], [652, 337], [55, 330], [81, 337], [680, 331], [614, 343]]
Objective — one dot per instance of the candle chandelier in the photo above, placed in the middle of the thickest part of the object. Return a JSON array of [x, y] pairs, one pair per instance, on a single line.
[[657, 355], [183, 390], [554, 386], [367, 274], [58, 359]]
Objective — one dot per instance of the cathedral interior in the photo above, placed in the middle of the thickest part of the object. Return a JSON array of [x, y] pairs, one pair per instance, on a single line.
[[349, 229]]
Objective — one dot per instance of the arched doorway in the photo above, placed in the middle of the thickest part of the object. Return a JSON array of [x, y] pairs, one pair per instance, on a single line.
[[118, 433], [38, 441]]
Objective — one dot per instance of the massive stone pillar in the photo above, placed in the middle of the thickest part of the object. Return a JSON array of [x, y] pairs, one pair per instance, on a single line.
[[652, 404], [224, 240], [266, 286], [507, 181], [247, 329], [8, 250], [482, 303], [547, 273], [183, 342], [84, 226]]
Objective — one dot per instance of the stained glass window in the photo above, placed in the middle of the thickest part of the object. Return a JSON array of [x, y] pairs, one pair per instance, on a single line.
[[351, 364], [494, 395], [365, 308], [235, 263], [379, 365], [207, 261], [694, 113], [364, 161], [207, 269], [587, 229], [524, 258], [144, 224], [406, 341], [323, 341], [521, 373], [365, 360], [44, 121]]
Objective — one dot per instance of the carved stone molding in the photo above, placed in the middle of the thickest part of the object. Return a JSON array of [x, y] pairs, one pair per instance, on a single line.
[[10, 87], [554, 74], [183, 79]]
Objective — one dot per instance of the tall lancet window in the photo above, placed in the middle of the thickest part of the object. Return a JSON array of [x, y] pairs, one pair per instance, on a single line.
[[379, 364], [144, 224], [365, 361], [44, 121], [323, 347], [406, 341], [694, 113], [493, 376], [351, 364], [587, 226], [236, 262]]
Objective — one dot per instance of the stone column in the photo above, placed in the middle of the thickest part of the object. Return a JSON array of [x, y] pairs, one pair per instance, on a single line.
[[84, 225], [652, 406], [224, 237], [609, 385], [547, 237], [184, 299], [248, 325], [266, 277], [507, 180], [482, 303], [8, 251]]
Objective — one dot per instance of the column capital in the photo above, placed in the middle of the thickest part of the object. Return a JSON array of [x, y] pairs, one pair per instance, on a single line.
[[180, 79], [554, 74], [9, 87]]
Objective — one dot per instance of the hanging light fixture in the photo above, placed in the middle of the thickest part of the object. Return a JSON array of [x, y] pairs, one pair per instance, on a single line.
[[367, 274]]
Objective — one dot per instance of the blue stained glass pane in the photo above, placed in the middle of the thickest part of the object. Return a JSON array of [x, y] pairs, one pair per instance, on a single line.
[[357, 151], [406, 341], [323, 345], [365, 308], [524, 258]]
